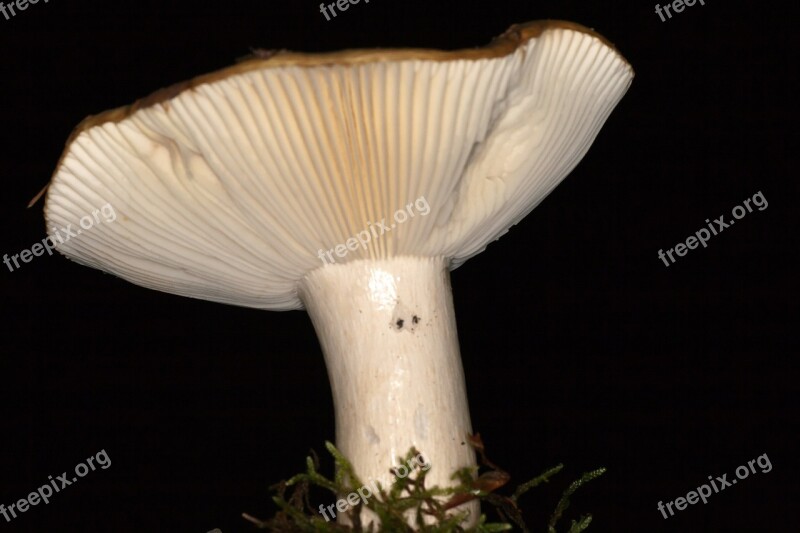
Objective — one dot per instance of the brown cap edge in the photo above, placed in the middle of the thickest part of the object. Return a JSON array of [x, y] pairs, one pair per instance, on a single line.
[[504, 44]]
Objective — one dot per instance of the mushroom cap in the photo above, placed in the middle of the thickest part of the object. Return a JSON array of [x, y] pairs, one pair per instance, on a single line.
[[233, 186]]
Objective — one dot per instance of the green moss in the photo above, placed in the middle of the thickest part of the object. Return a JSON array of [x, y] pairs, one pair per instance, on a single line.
[[408, 496]]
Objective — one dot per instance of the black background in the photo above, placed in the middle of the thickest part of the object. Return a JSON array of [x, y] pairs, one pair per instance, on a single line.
[[579, 345]]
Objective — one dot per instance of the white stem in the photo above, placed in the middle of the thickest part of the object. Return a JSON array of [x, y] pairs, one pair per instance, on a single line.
[[387, 329]]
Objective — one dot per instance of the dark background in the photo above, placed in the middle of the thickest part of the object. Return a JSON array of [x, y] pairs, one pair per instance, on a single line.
[[579, 345]]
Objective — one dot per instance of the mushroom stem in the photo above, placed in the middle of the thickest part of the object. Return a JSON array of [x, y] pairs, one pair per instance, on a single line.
[[388, 332]]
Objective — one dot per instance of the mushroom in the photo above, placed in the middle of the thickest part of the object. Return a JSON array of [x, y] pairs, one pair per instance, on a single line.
[[348, 184]]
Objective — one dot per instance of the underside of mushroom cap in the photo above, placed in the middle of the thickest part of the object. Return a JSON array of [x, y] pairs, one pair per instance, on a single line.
[[233, 186]]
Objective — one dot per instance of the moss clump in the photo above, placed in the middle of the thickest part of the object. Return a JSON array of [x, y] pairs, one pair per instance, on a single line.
[[408, 496]]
